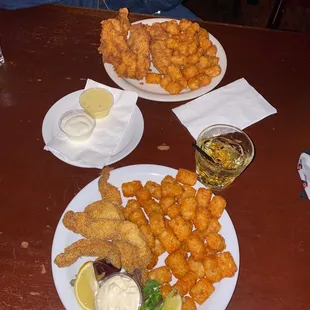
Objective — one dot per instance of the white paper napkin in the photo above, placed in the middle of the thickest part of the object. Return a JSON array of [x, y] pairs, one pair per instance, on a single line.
[[237, 104], [97, 151]]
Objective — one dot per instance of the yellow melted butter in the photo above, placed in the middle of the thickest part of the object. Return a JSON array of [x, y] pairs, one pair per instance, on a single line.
[[97, 102]]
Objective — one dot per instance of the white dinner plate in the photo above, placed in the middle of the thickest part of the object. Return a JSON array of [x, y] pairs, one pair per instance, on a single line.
[[157, 93], [127, 144], [63, 237]]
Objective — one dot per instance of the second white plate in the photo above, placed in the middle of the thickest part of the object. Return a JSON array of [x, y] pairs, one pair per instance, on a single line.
[[157, 93], [127, 144], [63, 237]]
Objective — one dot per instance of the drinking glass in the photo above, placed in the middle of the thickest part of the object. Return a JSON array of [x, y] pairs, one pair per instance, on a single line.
[[229, 151]]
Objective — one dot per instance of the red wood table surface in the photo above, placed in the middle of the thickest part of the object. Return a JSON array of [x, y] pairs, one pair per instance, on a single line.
[[50, 51]]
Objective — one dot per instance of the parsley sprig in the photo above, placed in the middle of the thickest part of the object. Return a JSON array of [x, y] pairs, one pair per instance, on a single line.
[[152, 296]]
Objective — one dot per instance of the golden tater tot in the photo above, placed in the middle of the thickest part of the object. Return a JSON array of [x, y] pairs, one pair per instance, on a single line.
[[193, 59], [184, 24], [168, 179], [190, 71], [180, 287], [202, 219], [153, 78], [214, 226], [217, 206], [165, 290], [174, 72], [184, 248], [183, 83], [188, 208], [177, 263], [172, 27], [213, 60], [211, 51], [185, 283], [199, 235], [179, 60], [192, 47], [157, 223], [215, 242], [183, 49], [169, 241], [129, 189], [171, 189], [193, 83], [142, 195], [180, 228], [149, 237], [204, 62], [132, 205], [196, 267], [203, 197], [196, 247], [137, 217], [227, 264], [201, 291], [213, 71], [154, 189], [205, 43], [165, 81], [150, 206], [153, 262], [188, 192], [189, 304], [174, 88], [173, 211], [166, 202], [185, 176], [192, 29], [203, 79], [203, 33], [212, 269], [172, 43], [160, 274], [158, 248]]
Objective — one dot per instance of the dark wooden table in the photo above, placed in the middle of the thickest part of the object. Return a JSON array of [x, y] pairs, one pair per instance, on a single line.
[[50, 51]]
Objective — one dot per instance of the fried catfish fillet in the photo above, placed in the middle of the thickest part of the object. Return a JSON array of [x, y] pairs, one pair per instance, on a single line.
[[86, 247]]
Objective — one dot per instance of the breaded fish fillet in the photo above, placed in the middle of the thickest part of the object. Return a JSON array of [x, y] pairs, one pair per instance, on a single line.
[[109, 230], [129, 255], [108, 191], [86, 247], [104, 209]]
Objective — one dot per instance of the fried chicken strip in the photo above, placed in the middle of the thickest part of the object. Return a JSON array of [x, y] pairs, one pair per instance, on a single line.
[[113, 37], [86, 247], [139, 43]]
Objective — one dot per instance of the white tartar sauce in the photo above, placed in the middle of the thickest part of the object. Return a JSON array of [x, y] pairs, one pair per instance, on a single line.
[[118, 293], [77, 125]]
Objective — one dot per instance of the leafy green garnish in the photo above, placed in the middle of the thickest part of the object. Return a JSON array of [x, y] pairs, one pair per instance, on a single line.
[[152, 296]]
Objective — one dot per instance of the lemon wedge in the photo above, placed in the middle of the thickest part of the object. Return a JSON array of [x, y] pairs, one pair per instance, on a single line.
[[173, 303], [85, 286]]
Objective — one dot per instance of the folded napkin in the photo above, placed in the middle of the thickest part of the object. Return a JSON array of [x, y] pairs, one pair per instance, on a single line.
[[237, 104], [97, 151]]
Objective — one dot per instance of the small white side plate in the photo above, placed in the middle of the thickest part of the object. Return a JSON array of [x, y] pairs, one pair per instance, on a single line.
[[128, 143]]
